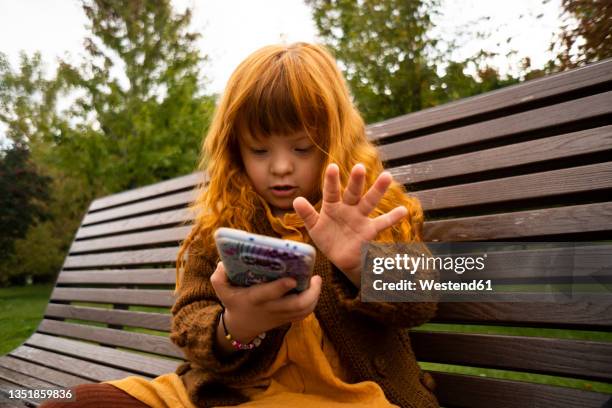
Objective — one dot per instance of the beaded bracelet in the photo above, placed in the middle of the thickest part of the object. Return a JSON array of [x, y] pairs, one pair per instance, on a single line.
[[235, 343]]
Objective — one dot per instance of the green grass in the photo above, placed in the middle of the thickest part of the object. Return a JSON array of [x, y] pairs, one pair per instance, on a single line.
[[21, 310]]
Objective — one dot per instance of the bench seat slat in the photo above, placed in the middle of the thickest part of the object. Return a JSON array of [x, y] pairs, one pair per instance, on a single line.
[[586, 359], [583, 218], [563, 146], [138, 341], [564, 113], [24, 380], [456, 390], [166, 218], [159, 276], [142, 297], [153, 321], [6, 402], [75, 365], [112, 358], [592, 311], [58, 378]]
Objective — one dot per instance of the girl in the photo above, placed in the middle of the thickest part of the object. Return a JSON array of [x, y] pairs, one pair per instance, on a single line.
[[287, 156]]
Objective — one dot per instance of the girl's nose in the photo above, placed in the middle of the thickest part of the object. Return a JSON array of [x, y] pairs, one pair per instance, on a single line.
[[281, 165]]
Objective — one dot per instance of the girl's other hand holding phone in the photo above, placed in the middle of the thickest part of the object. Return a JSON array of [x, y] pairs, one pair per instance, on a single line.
[[252, 310]]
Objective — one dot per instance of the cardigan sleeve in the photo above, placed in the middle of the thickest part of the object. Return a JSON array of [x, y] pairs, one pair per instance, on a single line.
[[195, 316], [398, 314]]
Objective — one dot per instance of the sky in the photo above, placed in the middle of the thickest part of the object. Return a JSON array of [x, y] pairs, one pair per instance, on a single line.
[[232, 29]]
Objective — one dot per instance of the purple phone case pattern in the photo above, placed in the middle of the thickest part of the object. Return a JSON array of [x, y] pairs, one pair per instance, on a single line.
[[248, 264]]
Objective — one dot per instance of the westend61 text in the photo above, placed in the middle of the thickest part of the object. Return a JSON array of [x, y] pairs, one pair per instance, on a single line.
[[430, 284]]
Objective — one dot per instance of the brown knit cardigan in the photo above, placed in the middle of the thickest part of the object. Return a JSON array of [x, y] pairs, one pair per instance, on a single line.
[[370, 338]]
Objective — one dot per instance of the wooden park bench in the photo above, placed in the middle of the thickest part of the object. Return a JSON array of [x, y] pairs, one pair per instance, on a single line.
[[531, 162]]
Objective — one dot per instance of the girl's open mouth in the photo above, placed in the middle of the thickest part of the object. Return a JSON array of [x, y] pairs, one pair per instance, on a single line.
[[283, 191]]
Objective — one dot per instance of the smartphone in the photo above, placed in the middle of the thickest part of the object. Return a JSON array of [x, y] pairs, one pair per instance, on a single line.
[[252, 258]]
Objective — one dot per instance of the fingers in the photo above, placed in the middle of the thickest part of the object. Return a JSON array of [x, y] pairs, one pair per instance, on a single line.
[[331, 184], [265, 292], [353, 195], [306, 212], [392, 217], [354, 190], [259, 293], [219, 281], [300, 305], [370, 199]]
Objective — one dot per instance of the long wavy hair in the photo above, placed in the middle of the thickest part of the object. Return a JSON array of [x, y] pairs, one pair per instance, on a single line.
[[282, 89]]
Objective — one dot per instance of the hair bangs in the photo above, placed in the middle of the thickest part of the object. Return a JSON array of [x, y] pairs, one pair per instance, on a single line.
[[282, 102]]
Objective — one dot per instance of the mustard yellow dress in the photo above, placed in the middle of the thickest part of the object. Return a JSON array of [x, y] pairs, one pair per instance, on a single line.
[[306, 372]]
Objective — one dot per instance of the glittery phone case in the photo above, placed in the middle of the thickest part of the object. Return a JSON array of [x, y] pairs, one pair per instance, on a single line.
[[252, 258]]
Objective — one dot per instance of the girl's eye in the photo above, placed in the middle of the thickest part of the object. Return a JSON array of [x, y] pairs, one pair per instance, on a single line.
[[258, 151], [303, 149]]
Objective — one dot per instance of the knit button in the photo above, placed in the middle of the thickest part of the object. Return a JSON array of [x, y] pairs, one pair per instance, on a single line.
[[427, 380], [380, 366]]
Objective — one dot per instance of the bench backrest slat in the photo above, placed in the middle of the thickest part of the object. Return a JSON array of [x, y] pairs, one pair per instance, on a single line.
[[495, 130], [164, 276], [158, 220], [535, 354], [515, 157], [576, 221], [145, 193]]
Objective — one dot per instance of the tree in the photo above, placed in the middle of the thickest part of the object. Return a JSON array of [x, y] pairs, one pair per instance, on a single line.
[[382, 47], [390, 59], [23, 196], [27, 99], [149, 128], [590, 40]]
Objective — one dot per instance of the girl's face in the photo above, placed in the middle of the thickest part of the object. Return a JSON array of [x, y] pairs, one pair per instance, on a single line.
[[282, 167]]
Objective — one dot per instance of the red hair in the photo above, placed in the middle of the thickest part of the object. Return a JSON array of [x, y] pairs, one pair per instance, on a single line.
[[283, 89]]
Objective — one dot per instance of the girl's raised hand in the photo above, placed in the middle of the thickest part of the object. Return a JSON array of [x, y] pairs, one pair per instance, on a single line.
[[343, 225]]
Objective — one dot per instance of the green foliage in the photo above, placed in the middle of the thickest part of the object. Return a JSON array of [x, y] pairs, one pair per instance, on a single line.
[[150, 128], [27, 100], [390, 60], [135, 115], [383, 49]]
